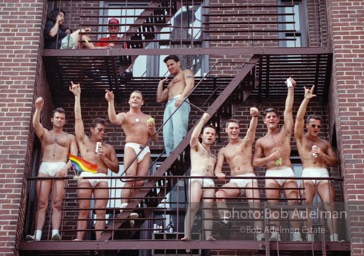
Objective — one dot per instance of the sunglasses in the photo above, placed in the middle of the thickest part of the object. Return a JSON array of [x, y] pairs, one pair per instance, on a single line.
[[101, 130], [315, 125]]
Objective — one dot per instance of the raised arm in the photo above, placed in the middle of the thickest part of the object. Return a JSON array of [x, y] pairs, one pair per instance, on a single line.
[[194, 142], [250, 134], [162, 95], [300, 121], [288, 110], [115, 119], [38, 127], [79, 127]]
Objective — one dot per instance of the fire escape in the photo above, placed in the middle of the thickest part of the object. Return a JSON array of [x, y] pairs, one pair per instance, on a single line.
[[259, 75]]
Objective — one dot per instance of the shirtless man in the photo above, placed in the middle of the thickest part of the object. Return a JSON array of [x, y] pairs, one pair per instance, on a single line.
[[105, 158], [316, 155], [238, 154], [138, 128], [175, 94], [273, 151], [202, 164], [56, 144]]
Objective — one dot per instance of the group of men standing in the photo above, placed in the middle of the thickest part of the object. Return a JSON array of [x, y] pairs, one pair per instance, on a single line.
[[271, 151]]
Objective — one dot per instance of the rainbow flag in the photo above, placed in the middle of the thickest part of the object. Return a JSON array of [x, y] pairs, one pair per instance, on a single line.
[[81, 165]]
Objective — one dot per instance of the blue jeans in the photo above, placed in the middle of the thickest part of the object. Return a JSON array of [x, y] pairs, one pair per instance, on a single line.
[[176, 128]]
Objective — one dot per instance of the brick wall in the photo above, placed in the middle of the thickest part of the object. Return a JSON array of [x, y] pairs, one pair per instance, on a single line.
[[346, 25], [19, 73]]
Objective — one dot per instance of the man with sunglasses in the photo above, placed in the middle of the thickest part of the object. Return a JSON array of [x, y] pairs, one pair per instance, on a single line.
[[316, 155], [273, 151], [95, 151]]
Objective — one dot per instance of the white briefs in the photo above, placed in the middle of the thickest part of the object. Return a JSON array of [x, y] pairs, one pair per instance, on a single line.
[[315, 173], [93, 182], [284, 173], [51, 168], [242, 183], [204, 182], [137, 148]]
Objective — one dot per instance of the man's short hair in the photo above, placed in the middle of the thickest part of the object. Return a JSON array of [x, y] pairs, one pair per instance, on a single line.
[[171, 57], [231, 121], [268, 110], [313, 116], [137, 91], [209, 126], [97, 121], [58, 110]]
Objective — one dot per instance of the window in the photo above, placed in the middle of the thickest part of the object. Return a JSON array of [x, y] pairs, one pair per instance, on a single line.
[[292, 18]]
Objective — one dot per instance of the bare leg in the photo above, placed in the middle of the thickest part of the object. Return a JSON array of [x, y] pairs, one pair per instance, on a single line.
[[308, 194], [43, 191], [101, 192], [272, 195], [84, 195], [207, 212], [131, 170], [252, 191], [58, 195], [292, 194], [194, 197], [221, 194], [327, 194]]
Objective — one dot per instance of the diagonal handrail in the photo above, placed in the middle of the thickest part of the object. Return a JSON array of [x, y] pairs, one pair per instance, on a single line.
[[179, 150]]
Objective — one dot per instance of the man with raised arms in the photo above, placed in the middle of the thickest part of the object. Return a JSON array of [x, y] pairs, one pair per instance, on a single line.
[[238, 155], [317, 155], [139, 128], [202, 164], [56, 144], [105, 158], [273, 151]]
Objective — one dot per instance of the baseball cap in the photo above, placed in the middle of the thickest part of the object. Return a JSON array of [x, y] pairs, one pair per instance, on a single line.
[[113, 21]]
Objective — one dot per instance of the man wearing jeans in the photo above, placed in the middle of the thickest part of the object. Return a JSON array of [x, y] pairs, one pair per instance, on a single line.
[[176, 96]]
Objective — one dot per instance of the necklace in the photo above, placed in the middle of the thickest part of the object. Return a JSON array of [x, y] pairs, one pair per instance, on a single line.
[[137, 120], [208, 151]]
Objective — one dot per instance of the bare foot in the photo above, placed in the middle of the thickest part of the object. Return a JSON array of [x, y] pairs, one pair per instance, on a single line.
[[77, 240], [185, 238], [211, 238]]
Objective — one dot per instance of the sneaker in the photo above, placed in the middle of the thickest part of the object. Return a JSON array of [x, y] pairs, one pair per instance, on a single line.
[[56, 237], [275, 237], [334, 238], [29, 238], [310, 237], [297, 237], [260, 237], [225, 229]]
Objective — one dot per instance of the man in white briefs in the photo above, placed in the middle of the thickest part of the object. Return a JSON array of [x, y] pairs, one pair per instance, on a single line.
[[105, 158], [56, 145], [273, 151], [202, 164], [316, 156], [139, 128], [238, 155]]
